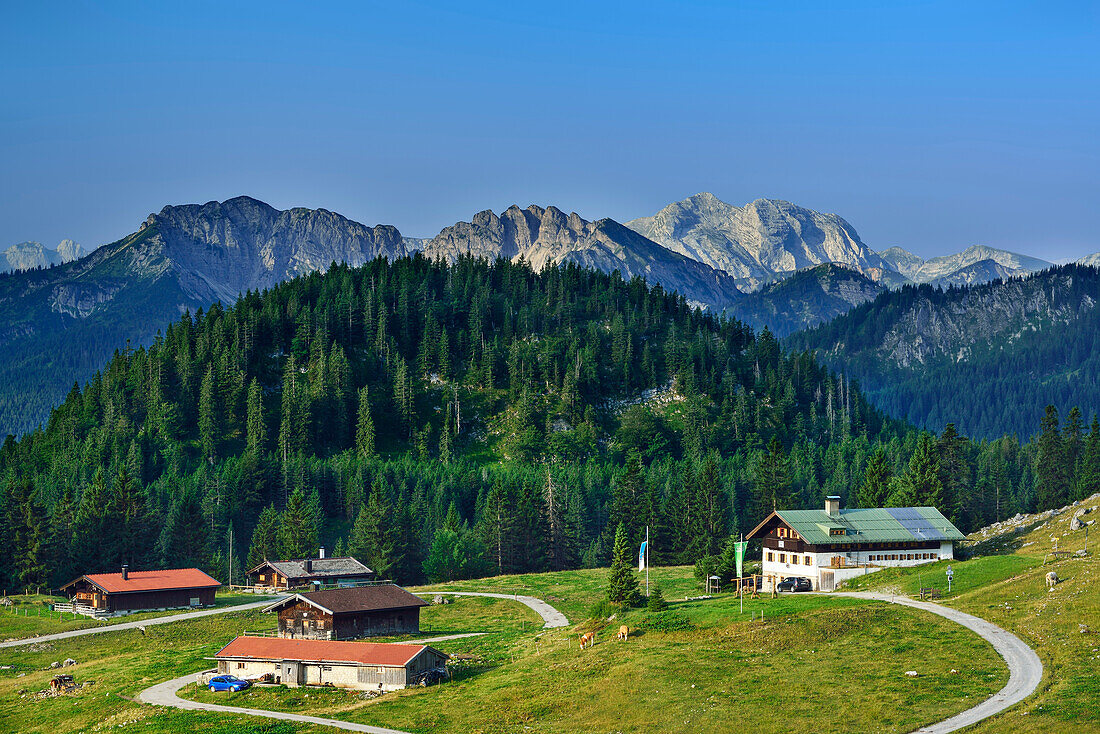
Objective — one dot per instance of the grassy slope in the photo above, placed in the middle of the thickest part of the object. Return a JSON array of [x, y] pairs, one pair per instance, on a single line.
[[1009, 589], [721, 674], [810, 648], [30, 615]]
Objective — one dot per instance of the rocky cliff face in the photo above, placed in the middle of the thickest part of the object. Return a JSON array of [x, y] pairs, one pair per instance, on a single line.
[[222, 249], [759, 242], [549, 236], [31, 255]]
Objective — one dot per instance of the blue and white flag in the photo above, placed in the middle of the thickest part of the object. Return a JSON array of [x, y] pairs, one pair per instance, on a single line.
[[641, 555]]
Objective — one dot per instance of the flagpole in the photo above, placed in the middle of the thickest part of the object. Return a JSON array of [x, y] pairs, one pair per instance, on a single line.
[[647, 561], [741, 582]]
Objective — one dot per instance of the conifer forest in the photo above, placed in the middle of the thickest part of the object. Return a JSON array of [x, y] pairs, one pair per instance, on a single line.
[[445, 421]]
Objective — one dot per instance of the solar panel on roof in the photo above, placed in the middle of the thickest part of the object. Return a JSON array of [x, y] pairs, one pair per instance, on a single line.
[[919, 526]]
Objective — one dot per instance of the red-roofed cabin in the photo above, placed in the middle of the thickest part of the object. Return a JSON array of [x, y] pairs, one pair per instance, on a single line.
[[131, 591], [367, 666]]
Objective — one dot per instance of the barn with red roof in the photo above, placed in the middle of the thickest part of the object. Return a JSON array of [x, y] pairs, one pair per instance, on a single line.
[[131, 591], [367, 666]]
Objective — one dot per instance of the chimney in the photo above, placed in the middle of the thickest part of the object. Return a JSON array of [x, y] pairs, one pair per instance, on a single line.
[[125, 572], [321, 555], [309, 565], [832, 505]]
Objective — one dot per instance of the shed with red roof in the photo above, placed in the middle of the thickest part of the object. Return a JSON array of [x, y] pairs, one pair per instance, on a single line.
[[131, 591], [367, 666]]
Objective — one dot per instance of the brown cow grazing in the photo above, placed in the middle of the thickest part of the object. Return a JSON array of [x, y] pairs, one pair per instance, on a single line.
[[624, 632], [588, 639]]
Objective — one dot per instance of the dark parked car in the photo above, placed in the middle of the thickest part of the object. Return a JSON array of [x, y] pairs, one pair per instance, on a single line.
[[228, 683], [795, 583]]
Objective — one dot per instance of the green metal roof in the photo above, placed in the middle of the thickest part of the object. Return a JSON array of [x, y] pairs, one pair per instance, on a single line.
[[871, 525]]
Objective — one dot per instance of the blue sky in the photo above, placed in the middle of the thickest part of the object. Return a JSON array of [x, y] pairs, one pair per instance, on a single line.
[[930, 125]]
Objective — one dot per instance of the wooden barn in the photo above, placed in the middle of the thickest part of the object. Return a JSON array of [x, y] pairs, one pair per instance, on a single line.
[[303, 572], [131, 591], [359, 665], [349, 613]]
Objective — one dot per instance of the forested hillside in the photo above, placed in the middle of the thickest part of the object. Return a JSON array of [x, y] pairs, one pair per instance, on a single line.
[[446, 421], [987, 358], [804, 299]]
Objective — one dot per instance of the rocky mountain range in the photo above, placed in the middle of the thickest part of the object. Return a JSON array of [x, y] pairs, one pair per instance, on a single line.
[[762, 262], [31, 255], [760, 242], [548, 236]]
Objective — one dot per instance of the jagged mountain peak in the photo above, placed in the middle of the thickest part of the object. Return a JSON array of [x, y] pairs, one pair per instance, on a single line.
[[757, 242], [548, 236]]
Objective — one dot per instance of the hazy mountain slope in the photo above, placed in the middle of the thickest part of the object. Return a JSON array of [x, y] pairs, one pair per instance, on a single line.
[[983, 271], [805, 299], [58, 325], [759, 241], [902, 261], [549, 236], [987, 358], [1092, 260], [30, 255], [960, 267]]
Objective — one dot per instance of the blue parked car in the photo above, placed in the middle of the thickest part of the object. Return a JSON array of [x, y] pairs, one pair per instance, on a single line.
[[228, 683]]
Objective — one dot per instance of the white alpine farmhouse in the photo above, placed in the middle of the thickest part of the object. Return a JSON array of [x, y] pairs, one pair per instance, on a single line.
[[833, 545]]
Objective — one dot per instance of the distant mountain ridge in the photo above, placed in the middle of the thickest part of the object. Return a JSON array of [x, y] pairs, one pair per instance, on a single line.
[[987, 357], [548, 236], [762, 241], [948, 269], [805, 299], [31, 255], [61, 324]]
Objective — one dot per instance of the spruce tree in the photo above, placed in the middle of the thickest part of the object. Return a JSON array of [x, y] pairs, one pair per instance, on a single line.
[[771, 482], [130, 541], [184, 538], [256, 428], [875, 488], [265, 538], [373, 538], [364, 426], [497, 527], [208, 415], [1088, 473], [1051, 471], [622, 584], [298, 526], [920, 485], [656, 602], [29, 534]]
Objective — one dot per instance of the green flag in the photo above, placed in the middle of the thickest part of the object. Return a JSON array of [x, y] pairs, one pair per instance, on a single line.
[[739, 555]]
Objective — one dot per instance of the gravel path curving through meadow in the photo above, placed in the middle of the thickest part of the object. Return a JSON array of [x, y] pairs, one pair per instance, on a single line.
[[1024, 666], [181, 617]]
